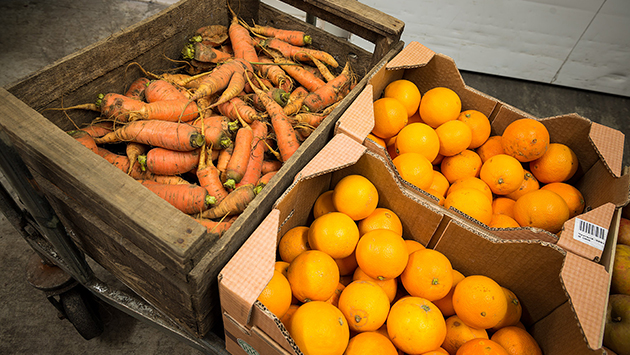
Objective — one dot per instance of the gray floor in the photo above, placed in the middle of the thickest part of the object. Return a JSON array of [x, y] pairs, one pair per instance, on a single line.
[[34, 34]]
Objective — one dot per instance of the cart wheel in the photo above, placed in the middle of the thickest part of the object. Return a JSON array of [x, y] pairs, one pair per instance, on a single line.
[[80, 309]]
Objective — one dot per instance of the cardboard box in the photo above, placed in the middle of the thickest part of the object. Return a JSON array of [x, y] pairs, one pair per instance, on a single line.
[[563, 295], [163, 255], [599, 148]]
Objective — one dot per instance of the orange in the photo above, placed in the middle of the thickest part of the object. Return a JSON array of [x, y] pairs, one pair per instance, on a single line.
[[382, 254], [377, 140], [418, 138], [464, 164], [390, 286], [319, 328], [438, 351], [355, 196], [347, 265], [429, 274], [282, 267], [490, 148], [381, 218], [440, 183], [503, 221], [481, 346], [323, 204], [413, 245], [439, 105], [529, 184], [516, 341], [276, 295], [437, 161], [455, 137], [571, 195], [479, 125], [439, 197], [472, 202], [415, 168], [445, 304], [415, 118], [391, 147], [390, 116], [473, 182], [293, 243], [479, 302], [503, 205], [406, 92], [458, 333], [558, 164], [334, 233], [415, 325], [313, 276], [288, 315], [541, 209], [525, 139], [370, 343], [503, 173], [334, 299], [365, 305], [514, 311]]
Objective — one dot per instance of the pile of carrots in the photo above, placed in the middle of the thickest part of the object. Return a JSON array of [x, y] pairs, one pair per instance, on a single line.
[[209, 138]]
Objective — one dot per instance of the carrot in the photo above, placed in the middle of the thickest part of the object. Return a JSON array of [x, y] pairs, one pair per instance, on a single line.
[[118, 107], [209, 177], [330, 93], [98, 128], [167, 110], [285, 135], [301, 75], [161, 161], [217, 227], [241, 41], [264, 180], [235, 86], [133, 150], [275, 74], [240, 157], [323, 69], [223, 160], [233, 204], [165, 134], [122, 163], [256, 155], [85, 139], [186, 198], [235, 106], [137, 87], [164, 179], [217, 80], [308, 119], [213, 35], [216, 130], [204, 52], [161, 90], [294, 103], [296, 38], [269, 166], [298, 53]]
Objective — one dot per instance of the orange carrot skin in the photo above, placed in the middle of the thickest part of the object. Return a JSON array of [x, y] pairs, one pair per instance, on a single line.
[[99, 129], [167, 110], [304, 77], [209, 178], [296, 99], [165, 134], [269, 166], [85, 139], [298, 53], [217, 227], [242, 43], [189, 198], [137, 87], [160, 90], [240, 156], [133, 150], [236, 105], [204, 52], [296, 38], [235, 86], [118, 107], [263, 181], [236, 202], [224, 158], [162, 161], [122, 163], [164, 179], [285, 134], [330, 93], [216, 131], [275, 74], [257, 154], [217, 80]]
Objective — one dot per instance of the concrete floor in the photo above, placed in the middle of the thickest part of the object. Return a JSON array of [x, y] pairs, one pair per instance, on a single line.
[[35, 33]]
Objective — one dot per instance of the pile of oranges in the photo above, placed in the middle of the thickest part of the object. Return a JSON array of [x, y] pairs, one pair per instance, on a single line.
[[517, 179], [350, 283]]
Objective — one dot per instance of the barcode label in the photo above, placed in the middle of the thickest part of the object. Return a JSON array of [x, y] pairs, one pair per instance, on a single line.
[[589, 233]]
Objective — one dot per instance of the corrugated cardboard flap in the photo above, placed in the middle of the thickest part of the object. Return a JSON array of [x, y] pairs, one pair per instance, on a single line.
[[601, 216], [341, 151], [608, 143], [250, 269], [358, 119], [586, 283], [414, 55]]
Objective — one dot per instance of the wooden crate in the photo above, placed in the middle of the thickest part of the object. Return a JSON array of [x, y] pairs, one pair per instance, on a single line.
[[162, 254]]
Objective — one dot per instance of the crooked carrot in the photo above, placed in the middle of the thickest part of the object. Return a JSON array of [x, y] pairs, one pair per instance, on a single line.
[[203, 52], [236, 202], [137, 87], [256, 155], [161, 161], [85, 139], [189, 199], [133, 150], [161, 90], [235, 106], [235, 168], [241, 41], [298, 53], [217, 227], [294, 37], [165, 134], [294, 103], [264, 180], [331, 92]]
